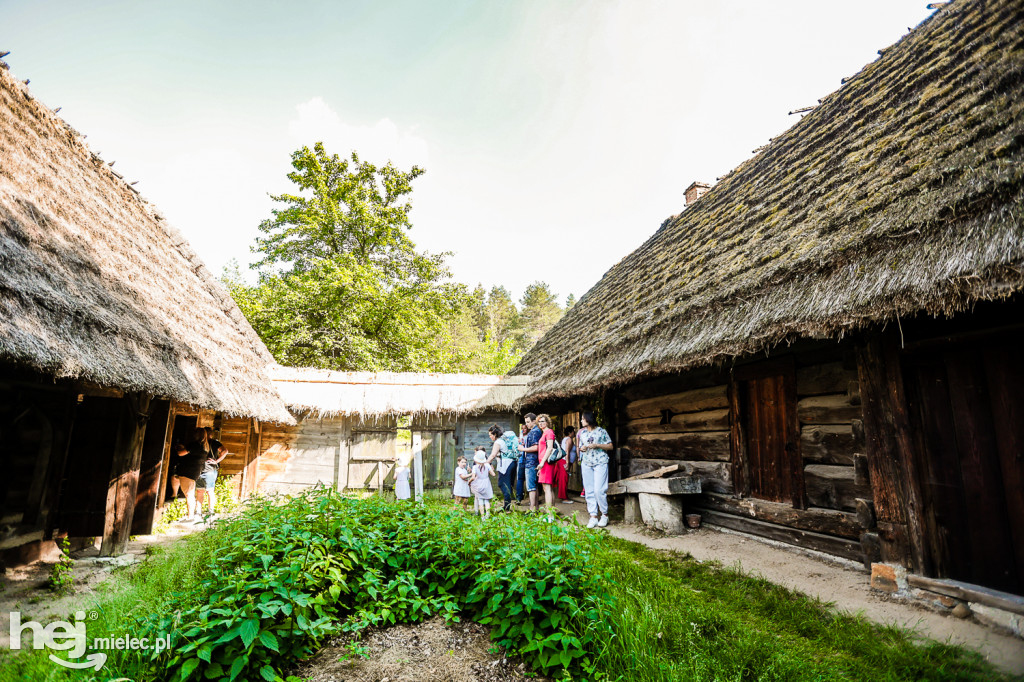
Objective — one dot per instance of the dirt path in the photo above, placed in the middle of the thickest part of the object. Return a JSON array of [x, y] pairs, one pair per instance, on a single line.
[[842, 583], [24, 588]]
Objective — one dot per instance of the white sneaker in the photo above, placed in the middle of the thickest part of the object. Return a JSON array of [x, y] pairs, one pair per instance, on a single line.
[[593, 522], [603, 522], [566, 501]]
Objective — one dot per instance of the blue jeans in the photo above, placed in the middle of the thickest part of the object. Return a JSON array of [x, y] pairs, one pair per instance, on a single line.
[[506, 482], [521, 479]]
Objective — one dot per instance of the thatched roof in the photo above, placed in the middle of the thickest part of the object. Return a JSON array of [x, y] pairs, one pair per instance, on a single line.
[[94, 285], [377, 394], [900, 193]]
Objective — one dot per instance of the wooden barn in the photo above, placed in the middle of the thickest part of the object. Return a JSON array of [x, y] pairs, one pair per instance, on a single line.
[[831, 338], [353, 425], [112, 333]]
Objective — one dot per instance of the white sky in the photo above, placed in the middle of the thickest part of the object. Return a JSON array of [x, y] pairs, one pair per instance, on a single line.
[[557, 135]]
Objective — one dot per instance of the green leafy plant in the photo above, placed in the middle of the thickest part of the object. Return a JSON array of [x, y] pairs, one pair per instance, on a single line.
[[61, 578], [354, 650]]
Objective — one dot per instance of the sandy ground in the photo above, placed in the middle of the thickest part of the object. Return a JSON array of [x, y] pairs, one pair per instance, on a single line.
[[843, 583], [432, 651]]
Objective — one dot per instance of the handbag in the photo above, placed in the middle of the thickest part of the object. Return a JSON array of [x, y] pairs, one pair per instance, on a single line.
[[555, 451]]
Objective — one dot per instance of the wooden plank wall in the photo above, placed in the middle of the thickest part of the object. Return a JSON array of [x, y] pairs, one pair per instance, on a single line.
[[295, 457]]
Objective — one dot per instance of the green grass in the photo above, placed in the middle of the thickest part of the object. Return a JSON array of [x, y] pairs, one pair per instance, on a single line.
[[677, 619], [289, 576]]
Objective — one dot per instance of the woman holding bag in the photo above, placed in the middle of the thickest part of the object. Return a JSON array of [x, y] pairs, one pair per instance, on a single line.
[[546, 473]]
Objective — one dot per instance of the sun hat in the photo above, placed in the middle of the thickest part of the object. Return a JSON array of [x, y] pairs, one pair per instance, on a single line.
[[479, 457]]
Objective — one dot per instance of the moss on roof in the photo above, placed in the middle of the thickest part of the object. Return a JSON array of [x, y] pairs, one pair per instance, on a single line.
[[901, 192]]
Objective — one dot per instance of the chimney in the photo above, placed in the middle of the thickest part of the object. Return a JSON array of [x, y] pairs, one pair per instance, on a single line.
[[695, 191]]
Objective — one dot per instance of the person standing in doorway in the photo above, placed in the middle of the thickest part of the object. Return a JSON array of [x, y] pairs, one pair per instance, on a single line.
[[529, 449], [594, 446], [215, 454]]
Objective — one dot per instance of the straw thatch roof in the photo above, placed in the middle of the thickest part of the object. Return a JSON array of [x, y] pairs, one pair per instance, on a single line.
[[900, 193], [94, 285], [377, 394]]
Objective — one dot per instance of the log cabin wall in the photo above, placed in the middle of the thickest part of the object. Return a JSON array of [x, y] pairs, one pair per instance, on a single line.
[[694, 419]]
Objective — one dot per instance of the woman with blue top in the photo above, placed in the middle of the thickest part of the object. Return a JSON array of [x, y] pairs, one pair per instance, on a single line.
[[594, 444]]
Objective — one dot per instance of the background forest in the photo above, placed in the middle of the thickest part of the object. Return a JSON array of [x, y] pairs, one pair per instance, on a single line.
[[342, 286]]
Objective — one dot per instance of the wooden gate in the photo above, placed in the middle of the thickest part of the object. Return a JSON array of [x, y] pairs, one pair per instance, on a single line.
[[966, 407]]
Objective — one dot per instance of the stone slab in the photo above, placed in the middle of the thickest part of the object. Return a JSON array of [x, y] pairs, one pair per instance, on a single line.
[[662, 512]]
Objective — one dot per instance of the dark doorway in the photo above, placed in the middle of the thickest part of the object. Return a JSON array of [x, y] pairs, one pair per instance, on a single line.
[[181, 433], [966, 408]]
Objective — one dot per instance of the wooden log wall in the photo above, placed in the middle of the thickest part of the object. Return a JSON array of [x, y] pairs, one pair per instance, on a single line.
[[832, 436], [686, 420], [689, 427]]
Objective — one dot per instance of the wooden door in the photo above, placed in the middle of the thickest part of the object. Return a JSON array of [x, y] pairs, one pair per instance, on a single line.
[[966, 405], [437, 451], [767, 462], [372, 458]]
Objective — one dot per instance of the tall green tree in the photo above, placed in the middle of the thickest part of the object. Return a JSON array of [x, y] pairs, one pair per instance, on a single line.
[[539, 310], [341, 284]]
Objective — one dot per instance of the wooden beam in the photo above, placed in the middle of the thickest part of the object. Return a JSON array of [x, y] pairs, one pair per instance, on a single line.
[[706, 420], [680, 485], [699, 445], [124, 475], [825, 521], [827, 409], [828, 544], [697, 400], [972, 593], [833, 487], [888, 443], [151, 468], [618, 487]]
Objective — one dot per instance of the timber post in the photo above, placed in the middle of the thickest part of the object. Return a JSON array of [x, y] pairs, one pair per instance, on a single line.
[[124, 474], [897, 499]]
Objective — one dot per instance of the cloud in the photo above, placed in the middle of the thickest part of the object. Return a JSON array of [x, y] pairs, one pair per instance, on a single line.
[[381, 142]]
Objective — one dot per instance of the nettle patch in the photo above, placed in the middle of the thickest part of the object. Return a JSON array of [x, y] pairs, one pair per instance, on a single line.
[[289, 576]]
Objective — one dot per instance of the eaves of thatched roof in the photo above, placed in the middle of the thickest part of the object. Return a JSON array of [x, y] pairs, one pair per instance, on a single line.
[[94, 285], [900, 193], [380, 394]]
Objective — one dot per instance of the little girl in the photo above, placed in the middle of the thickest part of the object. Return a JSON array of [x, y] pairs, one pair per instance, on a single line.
[[462, 477], [481, 484]]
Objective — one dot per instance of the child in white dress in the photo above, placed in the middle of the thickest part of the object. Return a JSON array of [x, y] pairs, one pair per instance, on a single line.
[[480, 484], [402, 472], [461, 490]]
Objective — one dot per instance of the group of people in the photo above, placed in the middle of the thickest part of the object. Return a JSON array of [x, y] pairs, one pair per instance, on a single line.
[[526, 460], [194, 471]]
